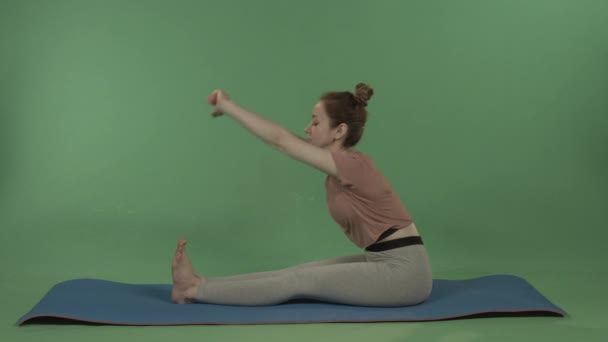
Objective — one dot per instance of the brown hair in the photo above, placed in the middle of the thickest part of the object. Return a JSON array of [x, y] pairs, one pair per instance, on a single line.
[[349, 108]]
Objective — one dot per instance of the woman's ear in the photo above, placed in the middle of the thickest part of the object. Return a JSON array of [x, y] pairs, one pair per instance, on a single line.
[[342, 130]]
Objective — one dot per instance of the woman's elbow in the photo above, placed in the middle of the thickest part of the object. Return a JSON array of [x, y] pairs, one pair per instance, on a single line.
[[281, 138]]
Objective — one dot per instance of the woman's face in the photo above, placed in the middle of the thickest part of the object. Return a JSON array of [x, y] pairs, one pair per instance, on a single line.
[[318, 131]]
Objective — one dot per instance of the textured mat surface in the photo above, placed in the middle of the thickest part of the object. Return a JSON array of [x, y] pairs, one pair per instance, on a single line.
[[106, 302]]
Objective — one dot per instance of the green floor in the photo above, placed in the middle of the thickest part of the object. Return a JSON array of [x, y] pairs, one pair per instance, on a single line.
[[581, 294], [32, 263]]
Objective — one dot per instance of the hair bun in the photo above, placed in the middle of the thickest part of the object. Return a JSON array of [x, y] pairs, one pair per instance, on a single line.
[[363, 93]]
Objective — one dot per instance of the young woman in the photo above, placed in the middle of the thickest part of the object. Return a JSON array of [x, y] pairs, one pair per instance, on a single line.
[[393, 269]]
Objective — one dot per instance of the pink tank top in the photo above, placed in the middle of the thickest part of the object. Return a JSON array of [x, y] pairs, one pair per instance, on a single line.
[[361, 201]]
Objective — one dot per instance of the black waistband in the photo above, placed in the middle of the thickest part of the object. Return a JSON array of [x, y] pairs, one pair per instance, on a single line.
[[391, 244]]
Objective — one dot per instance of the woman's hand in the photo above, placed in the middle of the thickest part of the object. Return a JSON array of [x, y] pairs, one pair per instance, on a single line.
[[217, 99]]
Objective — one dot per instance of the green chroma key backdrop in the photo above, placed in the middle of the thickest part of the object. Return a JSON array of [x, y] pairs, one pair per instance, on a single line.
[[489, 118]]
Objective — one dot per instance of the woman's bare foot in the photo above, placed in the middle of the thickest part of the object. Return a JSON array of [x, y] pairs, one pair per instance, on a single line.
[[185, 281]]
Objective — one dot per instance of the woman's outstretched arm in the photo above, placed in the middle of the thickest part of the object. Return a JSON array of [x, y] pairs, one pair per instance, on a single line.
[[273, 134]]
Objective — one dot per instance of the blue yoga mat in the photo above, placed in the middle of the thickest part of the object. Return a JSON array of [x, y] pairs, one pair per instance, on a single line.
[[107, 302]]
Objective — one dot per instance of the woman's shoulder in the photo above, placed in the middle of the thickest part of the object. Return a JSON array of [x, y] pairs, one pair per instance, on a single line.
[[359, 155], [354, 153], [357, 168], [355, 158]]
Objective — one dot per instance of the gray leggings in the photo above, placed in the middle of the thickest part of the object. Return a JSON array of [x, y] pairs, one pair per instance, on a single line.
[[395, 277]]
